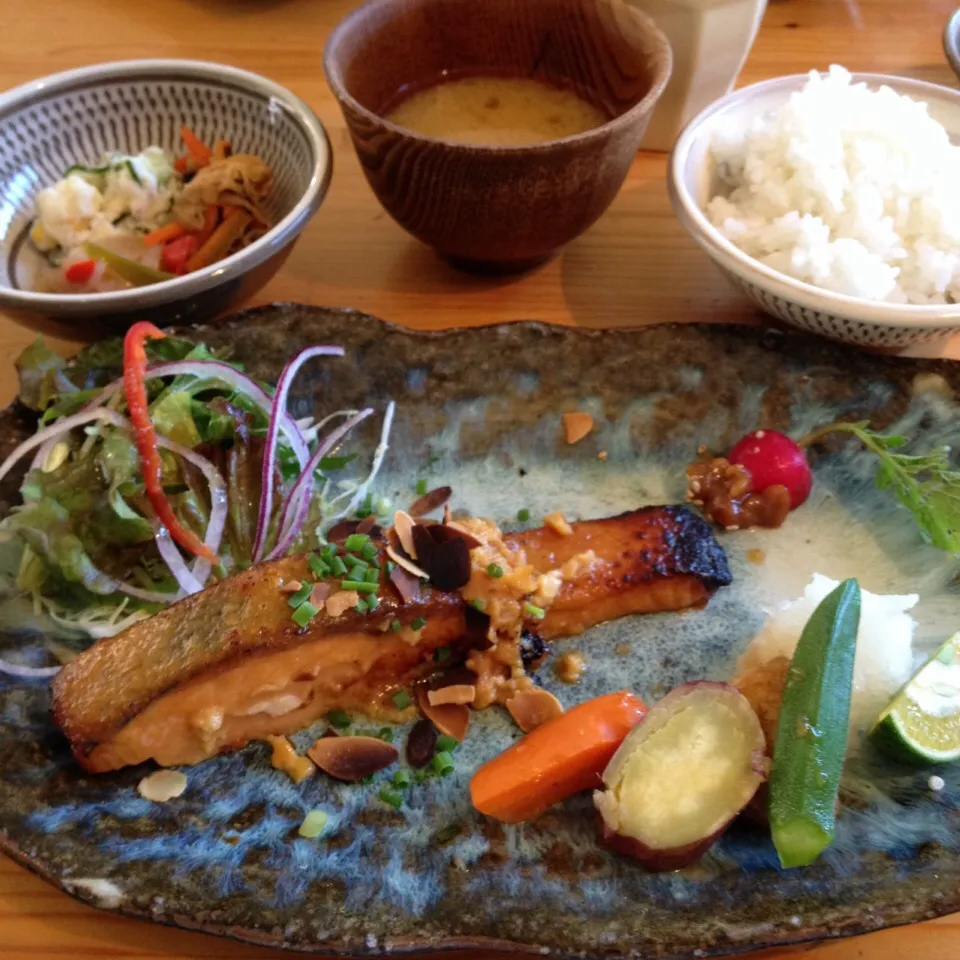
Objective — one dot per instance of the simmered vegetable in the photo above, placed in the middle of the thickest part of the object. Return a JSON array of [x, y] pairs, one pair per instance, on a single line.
[[555, 761], [812, 730], [682, 775]]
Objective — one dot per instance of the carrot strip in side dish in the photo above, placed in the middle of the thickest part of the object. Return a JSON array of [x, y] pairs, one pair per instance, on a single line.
[[164, 234], [235, 221], [556, 760], [199, 152], [211, 217], [134, 377]]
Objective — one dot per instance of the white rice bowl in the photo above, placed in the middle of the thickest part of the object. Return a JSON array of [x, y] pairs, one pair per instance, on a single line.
[[884, 656], [849, 189]]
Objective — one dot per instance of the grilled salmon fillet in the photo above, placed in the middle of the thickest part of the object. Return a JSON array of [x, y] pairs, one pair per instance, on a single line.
[[229, 665], [646, 561]]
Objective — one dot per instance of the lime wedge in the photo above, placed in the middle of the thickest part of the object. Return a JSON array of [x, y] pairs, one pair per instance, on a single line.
[[922, 722]]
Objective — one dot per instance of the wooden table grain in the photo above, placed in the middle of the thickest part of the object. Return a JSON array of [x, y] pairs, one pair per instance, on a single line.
[[635, 266]]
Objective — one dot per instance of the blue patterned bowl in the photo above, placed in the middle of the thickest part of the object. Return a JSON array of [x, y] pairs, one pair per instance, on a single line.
[[74, 117], [866, 323]]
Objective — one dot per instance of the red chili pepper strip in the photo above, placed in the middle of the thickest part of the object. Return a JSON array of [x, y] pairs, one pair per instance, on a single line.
[[80, 271], [134, 382]]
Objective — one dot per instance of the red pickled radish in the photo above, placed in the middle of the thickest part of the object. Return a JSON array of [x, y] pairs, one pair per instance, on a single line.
[[773, 458]]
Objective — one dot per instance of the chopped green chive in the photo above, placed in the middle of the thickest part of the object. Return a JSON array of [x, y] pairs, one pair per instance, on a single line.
[[372, 575], [361, 586], [367, 779], [355, 563], [337, 567], [418, 624], [328, 551], [373, 601], [369, 550], [401, 778], [336, 463], [295, 599], [523, 515], [495, 570], [534, 610], [401, 700], [361, 606], [441, 654], [443, 763], [447, 833], [313, 824], [356, 541], [318, 567], [385, 734], [366, 508], [391, 797], [396, 626], [339, 719], [446, 743], [304, 613], [421, 487], [391, 566], [479, 604]]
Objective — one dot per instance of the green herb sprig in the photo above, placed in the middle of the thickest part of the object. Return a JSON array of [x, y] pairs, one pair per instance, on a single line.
[[923, 483]]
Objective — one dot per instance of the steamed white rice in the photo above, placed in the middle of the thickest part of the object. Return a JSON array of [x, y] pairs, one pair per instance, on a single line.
[[884, 658], [850, 189]]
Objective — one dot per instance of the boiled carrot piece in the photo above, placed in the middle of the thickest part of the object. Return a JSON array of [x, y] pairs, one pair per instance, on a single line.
[[556, 760]]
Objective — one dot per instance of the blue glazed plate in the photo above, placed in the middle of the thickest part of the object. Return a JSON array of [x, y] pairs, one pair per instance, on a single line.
[[480, 410]]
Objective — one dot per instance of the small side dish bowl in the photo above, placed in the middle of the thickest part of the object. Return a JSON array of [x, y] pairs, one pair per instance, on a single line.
[[497, 207], [75, 117], [692, 182]]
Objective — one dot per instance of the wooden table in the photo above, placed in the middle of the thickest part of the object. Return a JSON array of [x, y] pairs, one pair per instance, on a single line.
[[635, 266]]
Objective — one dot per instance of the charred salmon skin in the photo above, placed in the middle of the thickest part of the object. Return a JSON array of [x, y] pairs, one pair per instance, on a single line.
[[229, 664]]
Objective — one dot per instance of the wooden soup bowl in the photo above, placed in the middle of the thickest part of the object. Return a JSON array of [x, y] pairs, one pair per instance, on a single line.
[[486, 207]]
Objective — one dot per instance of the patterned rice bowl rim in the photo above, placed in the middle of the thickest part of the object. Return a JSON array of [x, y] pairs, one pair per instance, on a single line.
[[217, 75], [683, 178]]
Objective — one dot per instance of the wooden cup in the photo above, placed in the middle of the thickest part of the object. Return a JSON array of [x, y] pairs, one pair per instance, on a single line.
[[485, 207]]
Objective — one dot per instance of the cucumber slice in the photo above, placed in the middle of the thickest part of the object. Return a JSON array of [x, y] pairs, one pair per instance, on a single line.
[[922, 722]]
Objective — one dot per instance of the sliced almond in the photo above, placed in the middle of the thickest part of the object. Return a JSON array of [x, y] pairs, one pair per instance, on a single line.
[[430, 501], [408, 565], [456, 694], [367, 523], [577, 425], [319, 594], [533, 708], [341, 601], [163, 785], [403, 524], [292, 587], [451, 719], [558, 522], [352, 758]]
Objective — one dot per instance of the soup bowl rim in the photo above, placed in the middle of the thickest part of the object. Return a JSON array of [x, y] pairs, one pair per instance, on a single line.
[[663, 67]]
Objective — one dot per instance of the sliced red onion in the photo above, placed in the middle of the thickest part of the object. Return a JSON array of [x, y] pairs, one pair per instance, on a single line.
[[218, 489], [378, 458], [187, 582], [293, 513], [59, 428], [27, 673], [218, 502], [277, 414]]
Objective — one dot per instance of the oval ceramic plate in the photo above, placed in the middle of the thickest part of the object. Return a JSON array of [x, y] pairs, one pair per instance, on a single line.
[[480, 409]]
